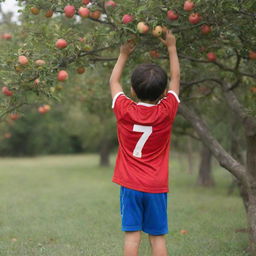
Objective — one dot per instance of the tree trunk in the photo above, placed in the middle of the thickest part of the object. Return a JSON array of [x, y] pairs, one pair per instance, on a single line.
[[105, 149], [205, 170], [190, 155], [223, 157], [236, 152], [251, 171]]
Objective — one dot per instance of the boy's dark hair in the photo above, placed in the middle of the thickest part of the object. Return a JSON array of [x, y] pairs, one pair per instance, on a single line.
[[149, 81]]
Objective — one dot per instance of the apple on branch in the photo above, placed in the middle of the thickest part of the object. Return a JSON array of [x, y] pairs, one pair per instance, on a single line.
[[110, 4], [6, 91], [188, 6], [49, 14], [34, 10], [61, 43], [205, 29], [95, 15], [142, 27], [86, 2], [84, 12], [6, 36], [69, 11], [14, 116], [127, 19], [194, 18], [44, 109], [62, 75], [171, 15], [157, 31], [23, 60], [211, 56]]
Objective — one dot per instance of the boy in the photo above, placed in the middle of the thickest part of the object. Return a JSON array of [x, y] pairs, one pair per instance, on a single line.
[[144, 131]]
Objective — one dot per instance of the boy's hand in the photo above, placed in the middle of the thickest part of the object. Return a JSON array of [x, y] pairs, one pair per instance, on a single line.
[[127, 48], [170, 40]]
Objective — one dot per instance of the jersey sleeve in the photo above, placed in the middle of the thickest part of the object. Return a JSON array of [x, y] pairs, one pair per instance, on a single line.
[[170, 104], [120, 105]]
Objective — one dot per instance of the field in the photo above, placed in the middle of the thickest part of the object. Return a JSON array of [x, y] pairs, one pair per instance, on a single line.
[[68, 206]]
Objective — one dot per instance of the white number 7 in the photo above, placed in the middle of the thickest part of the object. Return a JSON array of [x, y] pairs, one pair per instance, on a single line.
[[146, 130]]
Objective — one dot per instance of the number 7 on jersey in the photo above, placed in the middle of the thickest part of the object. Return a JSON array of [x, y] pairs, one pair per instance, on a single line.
[[146, 132]]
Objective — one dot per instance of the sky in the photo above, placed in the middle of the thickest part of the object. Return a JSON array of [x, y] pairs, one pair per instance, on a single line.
[[10, 5]]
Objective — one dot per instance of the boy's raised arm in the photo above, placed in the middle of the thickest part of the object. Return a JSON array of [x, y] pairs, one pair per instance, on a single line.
[[170, 43], [114, 82]]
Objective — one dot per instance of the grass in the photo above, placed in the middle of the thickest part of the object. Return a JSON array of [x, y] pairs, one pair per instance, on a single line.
[[68, 206]]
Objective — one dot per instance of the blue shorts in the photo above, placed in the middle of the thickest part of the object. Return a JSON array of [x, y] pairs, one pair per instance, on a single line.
[[143, 211]]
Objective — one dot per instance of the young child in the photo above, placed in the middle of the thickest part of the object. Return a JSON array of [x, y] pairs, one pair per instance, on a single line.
[[144, 131]]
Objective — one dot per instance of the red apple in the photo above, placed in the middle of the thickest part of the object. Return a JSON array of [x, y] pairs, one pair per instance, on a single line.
[[49, 14], [36, 82], [252, 55], [211, 56], [14, 116], [194, 18], [40, 62], [157, 31], [23, 60], [44, 109], [95, 15], [69, 11], [110, 4], [86, 2], [41, 110], [205, 29], [7, 36], [154, 54], [142, 27], [34, 10], [61, 43], [127, 18], [171, 15], [6, 91], [62, 75], [47, 107], [84, 12], [188, 6], [80, 70]]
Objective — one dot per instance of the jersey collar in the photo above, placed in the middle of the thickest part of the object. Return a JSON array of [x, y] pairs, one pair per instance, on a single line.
[[145, 104]]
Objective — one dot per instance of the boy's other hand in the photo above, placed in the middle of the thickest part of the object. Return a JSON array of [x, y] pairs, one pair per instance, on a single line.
[[127, 48], [170, 40]]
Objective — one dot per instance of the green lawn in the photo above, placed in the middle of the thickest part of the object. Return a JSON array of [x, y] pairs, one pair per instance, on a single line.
[[67, 205]]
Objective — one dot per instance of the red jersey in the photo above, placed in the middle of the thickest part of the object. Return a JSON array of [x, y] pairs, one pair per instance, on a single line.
[[144, 133]]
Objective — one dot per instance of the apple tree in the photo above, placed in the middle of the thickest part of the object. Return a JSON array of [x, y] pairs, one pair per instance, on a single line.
[[216, 44]]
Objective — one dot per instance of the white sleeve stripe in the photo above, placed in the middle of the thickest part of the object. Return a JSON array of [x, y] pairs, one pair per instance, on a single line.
[[175, 95], [115, 98]]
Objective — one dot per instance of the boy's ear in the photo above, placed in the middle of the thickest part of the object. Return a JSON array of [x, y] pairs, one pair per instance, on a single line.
[[133, 93]]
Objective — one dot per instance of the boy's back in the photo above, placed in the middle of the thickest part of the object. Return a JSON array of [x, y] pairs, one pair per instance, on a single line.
[[144, 132]]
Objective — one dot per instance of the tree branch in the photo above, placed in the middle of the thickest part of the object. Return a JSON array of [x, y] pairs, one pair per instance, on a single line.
[[220, 65], [224, 158]]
